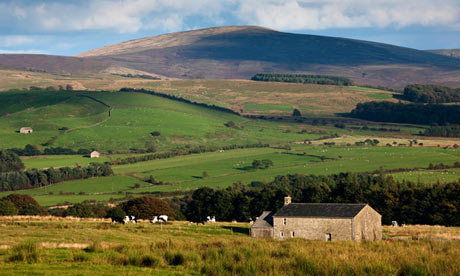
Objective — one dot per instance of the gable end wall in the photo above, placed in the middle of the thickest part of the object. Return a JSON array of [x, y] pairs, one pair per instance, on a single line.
[[367, 225]]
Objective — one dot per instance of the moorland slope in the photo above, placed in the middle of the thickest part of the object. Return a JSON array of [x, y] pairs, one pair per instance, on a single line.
[[242, 51]]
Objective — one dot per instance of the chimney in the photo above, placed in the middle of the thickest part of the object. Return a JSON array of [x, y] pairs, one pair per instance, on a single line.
[[287, 200]]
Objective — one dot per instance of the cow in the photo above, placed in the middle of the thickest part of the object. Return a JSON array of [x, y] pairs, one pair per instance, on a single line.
[[210, 219], [118, 219], [162, 218]]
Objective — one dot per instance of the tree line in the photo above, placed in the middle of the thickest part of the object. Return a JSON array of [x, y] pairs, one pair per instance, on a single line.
[[12, 176], [31, 150], [407, 113], [431, 94], [443, 131], [405, 202], [303, 78]]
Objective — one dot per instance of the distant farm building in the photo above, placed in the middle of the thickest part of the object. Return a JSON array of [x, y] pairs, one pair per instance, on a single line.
[[320, 221], [26, 130], [95, 154]]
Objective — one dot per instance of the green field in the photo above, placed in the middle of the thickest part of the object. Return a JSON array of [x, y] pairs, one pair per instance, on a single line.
[[133, 117], [56, 161], [185, 173], [99, 189], [226, 168]]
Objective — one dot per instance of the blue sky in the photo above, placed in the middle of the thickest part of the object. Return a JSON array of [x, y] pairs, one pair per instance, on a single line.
[[69, 27]]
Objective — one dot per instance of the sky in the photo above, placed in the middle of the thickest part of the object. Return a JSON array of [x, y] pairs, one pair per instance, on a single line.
[[69, 27]]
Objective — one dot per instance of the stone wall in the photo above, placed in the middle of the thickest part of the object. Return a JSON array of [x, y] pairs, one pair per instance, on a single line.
[[367, 225], [313, 228], [261, 232]]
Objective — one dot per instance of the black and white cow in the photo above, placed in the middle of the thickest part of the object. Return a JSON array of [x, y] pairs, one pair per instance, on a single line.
[[162, 218], [125, 219]]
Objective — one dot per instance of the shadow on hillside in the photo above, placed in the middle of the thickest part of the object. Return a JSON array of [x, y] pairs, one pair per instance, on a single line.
[[247, 168], [237, 229]]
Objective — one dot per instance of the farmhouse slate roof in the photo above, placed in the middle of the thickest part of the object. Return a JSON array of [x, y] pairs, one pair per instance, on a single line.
[[264, 221], [320, 210]]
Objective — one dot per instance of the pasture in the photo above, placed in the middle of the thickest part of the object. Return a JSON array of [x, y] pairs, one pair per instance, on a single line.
[[226, 168], [185, 173], [245, 96], [272, 98], [85, 123], [98, 189], [95, 247]]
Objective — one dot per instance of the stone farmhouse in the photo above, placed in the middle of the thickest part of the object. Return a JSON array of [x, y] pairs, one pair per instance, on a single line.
[[320, 221], [95, 154], [26, 130]]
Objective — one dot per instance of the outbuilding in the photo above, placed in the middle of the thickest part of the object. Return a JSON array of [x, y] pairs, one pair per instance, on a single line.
[[321, 221], [26, 130]]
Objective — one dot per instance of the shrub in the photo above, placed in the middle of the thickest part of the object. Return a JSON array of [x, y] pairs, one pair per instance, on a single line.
[[412, 270], [7, 208], [174, 258], [95, 246], [149, 261], [80, 257], [26, 205], [81, 210], [116, 213], [25, 252], [296, 113], [10, 162]]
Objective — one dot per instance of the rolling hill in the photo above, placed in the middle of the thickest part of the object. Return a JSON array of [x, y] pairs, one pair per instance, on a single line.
[[241, 51], [447, 52]]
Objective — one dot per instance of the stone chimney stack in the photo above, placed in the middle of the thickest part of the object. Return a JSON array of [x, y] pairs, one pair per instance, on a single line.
[[287, 200]]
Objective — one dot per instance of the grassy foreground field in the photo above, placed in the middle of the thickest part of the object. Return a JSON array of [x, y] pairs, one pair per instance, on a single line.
[[75, 247]]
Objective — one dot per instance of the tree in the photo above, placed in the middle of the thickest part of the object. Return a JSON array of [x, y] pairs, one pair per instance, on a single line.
[[262, 164], [296, 113], [198, 209], [116, 214], [80, 210], [10, 162], [7, 208], [26, 205], [146, 207]]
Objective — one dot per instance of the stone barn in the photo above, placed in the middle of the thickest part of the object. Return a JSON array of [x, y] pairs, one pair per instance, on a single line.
[[26, 130], [324, 221], [95, 154]]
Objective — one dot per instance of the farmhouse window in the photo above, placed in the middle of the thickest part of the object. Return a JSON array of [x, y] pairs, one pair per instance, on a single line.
[[282, 234], [293, 234], [284, 221]]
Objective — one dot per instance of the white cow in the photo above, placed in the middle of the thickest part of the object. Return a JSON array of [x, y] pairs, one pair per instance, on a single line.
[[210, 219], [162, 218]]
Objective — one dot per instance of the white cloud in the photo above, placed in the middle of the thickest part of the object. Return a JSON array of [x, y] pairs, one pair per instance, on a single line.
[[16, 40], [130, 16], [30, 51], [124, 16], [323, 14]]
